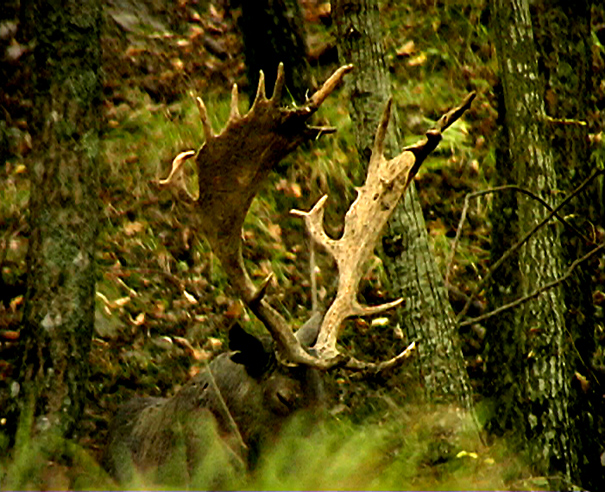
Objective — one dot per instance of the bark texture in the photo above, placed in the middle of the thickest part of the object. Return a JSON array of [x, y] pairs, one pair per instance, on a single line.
[[529, 348], [64, 209], [427, 314], [563, 39]]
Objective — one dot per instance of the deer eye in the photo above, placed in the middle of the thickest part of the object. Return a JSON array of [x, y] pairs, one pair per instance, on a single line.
[[285, 399]]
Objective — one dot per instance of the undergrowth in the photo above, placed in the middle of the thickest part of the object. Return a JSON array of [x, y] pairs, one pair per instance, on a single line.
[[419, 448]]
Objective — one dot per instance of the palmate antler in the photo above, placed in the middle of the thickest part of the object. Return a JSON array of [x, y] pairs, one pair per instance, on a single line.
[[232, 166]]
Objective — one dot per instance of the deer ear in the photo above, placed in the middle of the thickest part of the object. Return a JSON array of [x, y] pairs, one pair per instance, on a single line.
[[307, 333], [248, 351]]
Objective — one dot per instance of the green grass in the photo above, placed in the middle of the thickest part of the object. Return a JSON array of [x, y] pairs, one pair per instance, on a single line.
[[416, 448]]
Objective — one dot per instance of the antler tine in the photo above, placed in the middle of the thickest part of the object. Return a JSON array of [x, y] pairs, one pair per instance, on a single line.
[[279, 84], [208, 131], [381, 132], [453, 115], [234, 113], [314, 223], [175, 178], [357, 365], [423, 148], [261, 94], [328, 87]]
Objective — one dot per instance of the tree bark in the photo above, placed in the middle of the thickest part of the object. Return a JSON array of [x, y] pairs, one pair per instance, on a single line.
[[563, 39], [530, 346], [64, 212], [273, 33], [408, 259]]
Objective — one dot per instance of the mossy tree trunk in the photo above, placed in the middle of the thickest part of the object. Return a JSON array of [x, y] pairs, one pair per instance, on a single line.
[[529, 350], [58, 317], [563, 38], [408, 258]]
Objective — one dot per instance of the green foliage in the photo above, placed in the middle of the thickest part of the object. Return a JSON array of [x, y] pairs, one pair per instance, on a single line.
[[418, 448], [48, 461]]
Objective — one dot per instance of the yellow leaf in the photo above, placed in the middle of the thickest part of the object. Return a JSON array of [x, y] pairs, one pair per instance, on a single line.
[[132, 228], [380, 321], [417, 60]]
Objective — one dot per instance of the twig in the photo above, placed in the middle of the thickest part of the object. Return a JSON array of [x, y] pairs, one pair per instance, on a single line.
[[230, 418], [312, 263], [123, 272], [522, 241], [476, 194], [536, 292]]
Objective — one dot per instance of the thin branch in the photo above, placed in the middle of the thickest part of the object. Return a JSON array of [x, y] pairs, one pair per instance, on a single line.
[[536, 292], [313, 276], [230, 419], [523, 240], [476, 194], [126, 272]]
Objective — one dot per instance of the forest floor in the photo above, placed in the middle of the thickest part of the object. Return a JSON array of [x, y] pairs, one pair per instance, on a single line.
[[163, 301]]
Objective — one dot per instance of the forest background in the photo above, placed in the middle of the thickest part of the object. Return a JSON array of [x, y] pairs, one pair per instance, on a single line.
[[162, 302]]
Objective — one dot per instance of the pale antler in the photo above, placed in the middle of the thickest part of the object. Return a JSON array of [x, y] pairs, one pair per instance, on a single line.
[[385, 184]]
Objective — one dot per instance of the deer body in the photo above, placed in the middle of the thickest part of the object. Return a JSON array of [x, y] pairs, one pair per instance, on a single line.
[[242, 399]]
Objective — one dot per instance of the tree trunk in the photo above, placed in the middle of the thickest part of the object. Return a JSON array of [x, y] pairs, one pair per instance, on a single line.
[[414, 275], [64, 212], [565, 63], [273, 33], [530, 346]]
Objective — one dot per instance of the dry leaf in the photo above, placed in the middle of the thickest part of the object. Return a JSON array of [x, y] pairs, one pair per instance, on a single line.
[[406, 49], [132, 228], [15, 303], [380, 321], [139, 320], [189, 297]]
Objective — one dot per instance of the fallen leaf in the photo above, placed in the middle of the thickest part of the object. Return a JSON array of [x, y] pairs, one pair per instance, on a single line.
[[189, 297], [139, 320], [406, 49], [15, 303], [132, 228], [9, 335], [417, 60]]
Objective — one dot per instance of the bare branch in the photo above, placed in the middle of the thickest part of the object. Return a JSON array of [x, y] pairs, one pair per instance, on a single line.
[[523, 240], [536, 292], [477, 194]]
